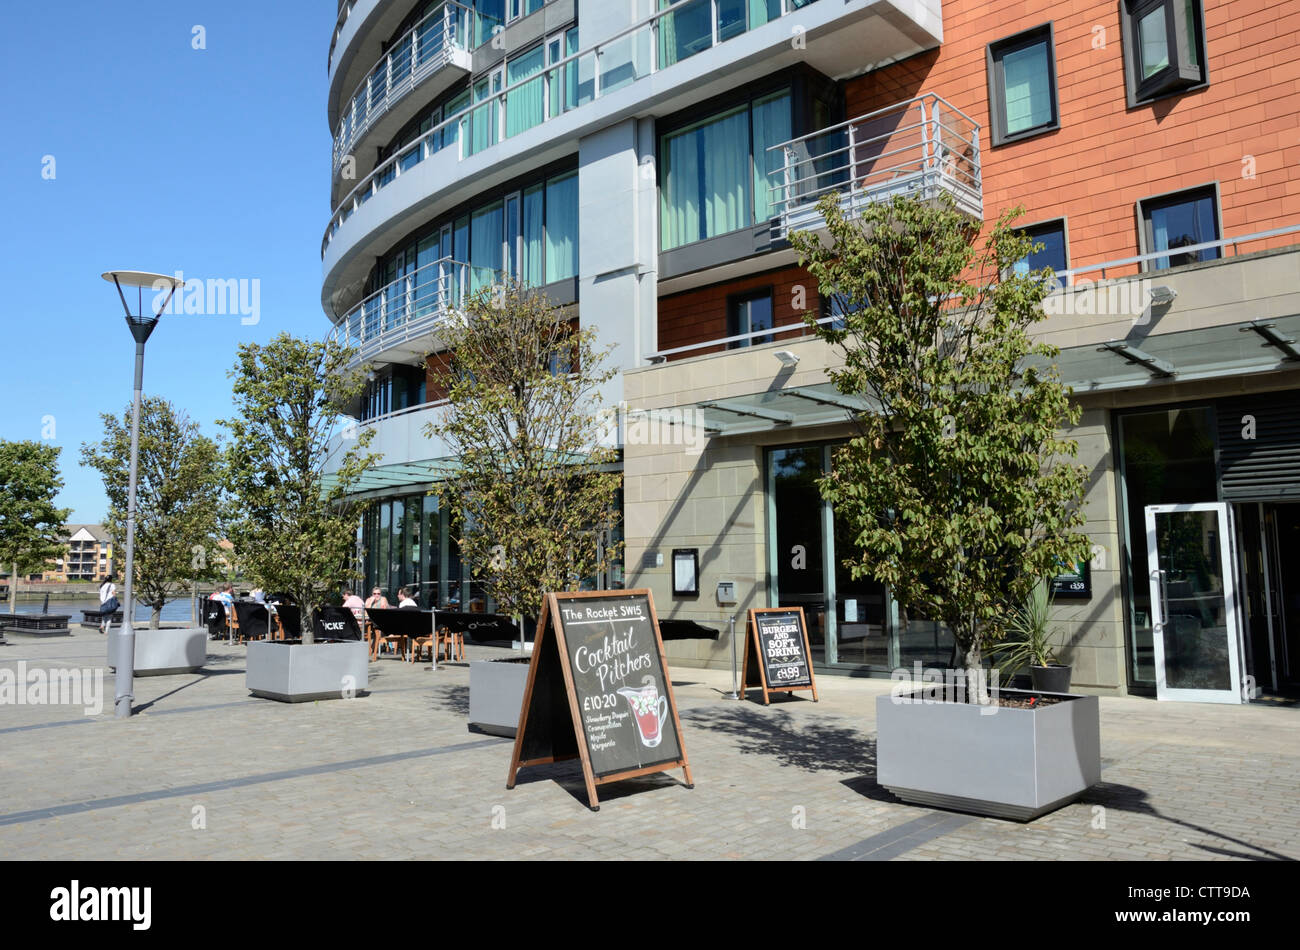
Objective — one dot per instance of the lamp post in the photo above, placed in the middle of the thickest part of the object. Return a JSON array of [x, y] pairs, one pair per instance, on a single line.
[[141, 327]]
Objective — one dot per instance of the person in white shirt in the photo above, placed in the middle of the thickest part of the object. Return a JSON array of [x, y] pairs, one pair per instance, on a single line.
[[404, 599], [107, 603]]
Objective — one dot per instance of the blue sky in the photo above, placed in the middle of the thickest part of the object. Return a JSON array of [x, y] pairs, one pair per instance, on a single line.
[[211, 161]]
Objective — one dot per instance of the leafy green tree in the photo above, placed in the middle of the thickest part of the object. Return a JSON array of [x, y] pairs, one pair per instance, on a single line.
[[178, 497], [293, 528], [958, 489], [531, 486], [31, 527]]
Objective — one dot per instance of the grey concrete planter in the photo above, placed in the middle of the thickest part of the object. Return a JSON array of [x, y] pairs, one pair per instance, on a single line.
[[1013, 763], [496, 695], [301, 673], [165, 651]]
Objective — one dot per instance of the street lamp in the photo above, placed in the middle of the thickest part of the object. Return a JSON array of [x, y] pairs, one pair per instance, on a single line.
[[140, 327]]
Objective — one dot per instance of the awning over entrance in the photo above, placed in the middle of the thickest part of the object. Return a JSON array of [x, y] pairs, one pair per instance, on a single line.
[[386, 479], [1237, 349]]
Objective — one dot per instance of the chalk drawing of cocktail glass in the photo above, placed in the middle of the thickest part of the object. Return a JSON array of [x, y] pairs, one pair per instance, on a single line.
[[649, 708]]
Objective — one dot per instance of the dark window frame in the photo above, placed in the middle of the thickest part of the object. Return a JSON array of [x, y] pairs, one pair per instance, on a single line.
[[746, 296], [1175, 79], [996, 77], [1146, 237], [1031, 231]]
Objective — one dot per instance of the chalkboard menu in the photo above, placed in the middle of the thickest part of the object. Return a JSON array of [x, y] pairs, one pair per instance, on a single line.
[[777, 657], [598, 690]]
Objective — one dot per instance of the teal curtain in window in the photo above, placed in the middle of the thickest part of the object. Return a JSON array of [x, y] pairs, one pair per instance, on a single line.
[[483, 120], [1028, 89], [427, 286], [485, 246], [726, 181], [532, 270], [679, 202], [525, 103], [450, 132], [771, 118], [685, 31], [562, 228], [461, 254], [564, 79]]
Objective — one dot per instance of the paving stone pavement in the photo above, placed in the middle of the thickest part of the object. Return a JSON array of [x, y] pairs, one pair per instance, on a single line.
[[204, 770]]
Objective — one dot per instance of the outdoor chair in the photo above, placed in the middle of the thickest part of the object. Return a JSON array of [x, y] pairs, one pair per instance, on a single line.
[[251, 621], [397, 626]]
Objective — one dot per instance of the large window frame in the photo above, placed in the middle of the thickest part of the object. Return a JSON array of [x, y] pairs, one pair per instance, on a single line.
[[1036, 231], [1186, 55], [735, 326], [996, 54]]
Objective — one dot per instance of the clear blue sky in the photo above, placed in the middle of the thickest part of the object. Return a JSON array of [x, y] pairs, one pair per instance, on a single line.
[[211, 161]]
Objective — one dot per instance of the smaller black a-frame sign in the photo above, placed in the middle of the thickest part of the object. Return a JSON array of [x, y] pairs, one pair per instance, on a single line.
[[598, 690], [777, 656]]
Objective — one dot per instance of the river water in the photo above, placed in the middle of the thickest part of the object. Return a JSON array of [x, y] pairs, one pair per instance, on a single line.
[[174, 611]]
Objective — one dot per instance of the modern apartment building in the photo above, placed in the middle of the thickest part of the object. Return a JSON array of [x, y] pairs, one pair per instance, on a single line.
[[644, 162], [89, 556]]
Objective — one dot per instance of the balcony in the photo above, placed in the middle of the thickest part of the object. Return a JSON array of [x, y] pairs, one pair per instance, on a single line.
[[399, 320], [663, 40], [437, 46], [922, 147]]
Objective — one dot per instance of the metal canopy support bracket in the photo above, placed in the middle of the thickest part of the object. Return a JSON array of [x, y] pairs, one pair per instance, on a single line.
[[771, 415], [848, 403], [1154, 364], [1273, 338]]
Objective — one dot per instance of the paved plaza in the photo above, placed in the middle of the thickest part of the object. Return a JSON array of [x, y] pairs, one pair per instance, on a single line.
[[204, 770]]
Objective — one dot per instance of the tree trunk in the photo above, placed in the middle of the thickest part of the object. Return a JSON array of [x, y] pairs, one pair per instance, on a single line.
[[305, 620], [977, 690], [155, 617]]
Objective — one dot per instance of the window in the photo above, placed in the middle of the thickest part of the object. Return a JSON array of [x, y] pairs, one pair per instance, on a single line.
[[715, 174], [1051, 235], [1183, 219], [749, 314], [521, 8], [525, 102], [1022, 85], [1164, 43]]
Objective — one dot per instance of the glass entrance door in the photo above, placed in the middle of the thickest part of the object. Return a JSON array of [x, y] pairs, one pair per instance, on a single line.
[[1193, 603]]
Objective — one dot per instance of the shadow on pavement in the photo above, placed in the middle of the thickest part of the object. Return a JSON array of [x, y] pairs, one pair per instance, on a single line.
[[815, 746]]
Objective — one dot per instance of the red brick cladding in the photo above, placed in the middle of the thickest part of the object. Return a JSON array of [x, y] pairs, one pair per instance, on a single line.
[[696, 316], [1105, 157]]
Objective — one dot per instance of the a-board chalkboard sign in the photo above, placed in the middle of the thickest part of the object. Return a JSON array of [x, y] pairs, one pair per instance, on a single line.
[[777, 657], [598, 690]]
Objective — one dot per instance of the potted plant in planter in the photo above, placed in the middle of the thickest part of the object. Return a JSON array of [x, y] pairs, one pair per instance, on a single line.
[[292, 532], [956, 489], [532, 485], [1029, 643]]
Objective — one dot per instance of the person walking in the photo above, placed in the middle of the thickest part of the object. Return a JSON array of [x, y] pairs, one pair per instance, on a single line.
[[107, 604]]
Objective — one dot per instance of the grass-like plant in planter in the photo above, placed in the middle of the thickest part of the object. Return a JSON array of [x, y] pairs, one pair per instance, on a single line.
[[1030, 643]]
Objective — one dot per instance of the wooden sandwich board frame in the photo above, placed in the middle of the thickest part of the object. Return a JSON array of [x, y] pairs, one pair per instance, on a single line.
[[757, 676], [550, 636]]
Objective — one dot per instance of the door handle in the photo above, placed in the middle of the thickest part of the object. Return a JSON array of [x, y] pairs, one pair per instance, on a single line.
[[1163, 597]]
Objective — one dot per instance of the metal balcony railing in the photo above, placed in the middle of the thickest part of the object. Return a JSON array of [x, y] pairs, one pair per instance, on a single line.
[[657, 42], [424, 50], [345, 13], [920, 147], [410, 307]]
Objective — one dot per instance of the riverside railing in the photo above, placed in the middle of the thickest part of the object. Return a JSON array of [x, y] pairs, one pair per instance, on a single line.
[[920, 147], [659, 41]]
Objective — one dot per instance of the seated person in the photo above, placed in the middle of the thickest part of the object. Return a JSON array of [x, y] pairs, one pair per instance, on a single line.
[[377, 600], [354, 603], [404, 599]]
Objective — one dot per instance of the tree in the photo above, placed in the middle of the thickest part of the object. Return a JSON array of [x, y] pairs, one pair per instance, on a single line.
[[30, 526], [294, 529], [178, 497], [531, 491], [957, 488]]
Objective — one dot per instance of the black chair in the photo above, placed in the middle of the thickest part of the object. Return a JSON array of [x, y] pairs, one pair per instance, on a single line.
[[290, 620], [214, 618], [252, 620], [336, 623]]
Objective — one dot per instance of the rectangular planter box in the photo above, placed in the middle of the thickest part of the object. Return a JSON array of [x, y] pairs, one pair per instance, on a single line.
[[301, 673], [163, 652], [1012, 763], [496, 695]]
